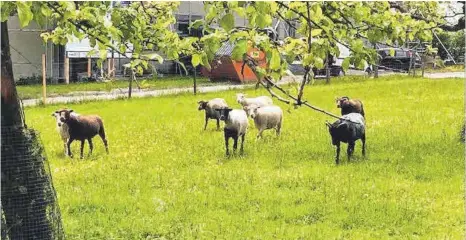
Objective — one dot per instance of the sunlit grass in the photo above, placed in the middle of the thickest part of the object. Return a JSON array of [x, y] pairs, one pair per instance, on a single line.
[[165, 177]]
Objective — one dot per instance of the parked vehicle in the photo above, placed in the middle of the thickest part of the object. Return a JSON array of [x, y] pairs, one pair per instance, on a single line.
[[400, 61]]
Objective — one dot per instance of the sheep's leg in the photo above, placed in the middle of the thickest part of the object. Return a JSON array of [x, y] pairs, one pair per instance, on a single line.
[[104, 139], [82, 148], [279, 127], [218, 124], [242, 143], [91, 146], [235, 143], [206, 121], [70, 140], [259, 134], [363, 140], [65, 147], [227, 137], [350, 149], [337, 159]]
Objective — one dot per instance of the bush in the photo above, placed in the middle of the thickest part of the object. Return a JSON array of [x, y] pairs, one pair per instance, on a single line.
[[34, 79]]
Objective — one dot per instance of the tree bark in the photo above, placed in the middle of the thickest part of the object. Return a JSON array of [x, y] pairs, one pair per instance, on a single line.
[[11, 109], [26, 190], [130, 87]]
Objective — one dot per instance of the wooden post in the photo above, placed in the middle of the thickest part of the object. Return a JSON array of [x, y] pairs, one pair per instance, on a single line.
[[89, 67], [113, 67], [108, 67], [44, 81], [195, 85], [67, 70], [375, 67], [327, 70]]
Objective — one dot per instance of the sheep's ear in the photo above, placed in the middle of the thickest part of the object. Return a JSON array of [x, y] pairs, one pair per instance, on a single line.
[[71, 110]]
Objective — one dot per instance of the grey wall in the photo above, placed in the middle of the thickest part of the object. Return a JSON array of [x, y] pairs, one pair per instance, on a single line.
[[27, 47]]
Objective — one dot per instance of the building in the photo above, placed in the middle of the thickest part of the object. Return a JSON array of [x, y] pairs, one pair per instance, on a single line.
[[27, 48]]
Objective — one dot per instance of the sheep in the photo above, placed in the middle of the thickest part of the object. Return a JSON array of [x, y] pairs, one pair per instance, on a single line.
[[348, 105], [348, 132], [62, 128], [82, 128], [236, 125], [258, 101], [209, 107], [266, 117]]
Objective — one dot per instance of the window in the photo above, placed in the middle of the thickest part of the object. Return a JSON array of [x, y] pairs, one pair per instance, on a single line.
[[183, 22]]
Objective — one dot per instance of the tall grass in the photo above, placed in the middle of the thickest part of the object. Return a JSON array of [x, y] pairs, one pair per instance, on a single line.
[[165, 177]]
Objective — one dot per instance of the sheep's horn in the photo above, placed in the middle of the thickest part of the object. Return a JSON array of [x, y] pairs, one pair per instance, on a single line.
[[328, 124]]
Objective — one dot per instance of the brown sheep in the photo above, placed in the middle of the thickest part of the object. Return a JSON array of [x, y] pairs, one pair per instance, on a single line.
[[348, 105], [83, 128]]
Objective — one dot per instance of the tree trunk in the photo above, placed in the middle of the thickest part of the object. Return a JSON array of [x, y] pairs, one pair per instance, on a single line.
[[130, 88], [11, 110], [28, 199], [375, 67]]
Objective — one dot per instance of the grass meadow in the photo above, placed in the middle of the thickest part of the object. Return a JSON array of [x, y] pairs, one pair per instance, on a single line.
[[167, 178]]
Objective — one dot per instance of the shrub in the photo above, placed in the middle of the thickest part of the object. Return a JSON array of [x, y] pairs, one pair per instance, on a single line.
[[34, 79]]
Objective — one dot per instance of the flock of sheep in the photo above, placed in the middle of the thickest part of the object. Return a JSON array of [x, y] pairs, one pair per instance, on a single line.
[[348, 129]]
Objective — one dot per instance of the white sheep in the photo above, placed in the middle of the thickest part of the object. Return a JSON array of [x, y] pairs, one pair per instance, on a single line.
[[258, 101], [209, 107], [236, 125], [266, 117], [62, 128]]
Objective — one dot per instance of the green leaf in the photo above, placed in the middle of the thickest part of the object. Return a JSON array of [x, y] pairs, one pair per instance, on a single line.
[[316, 32], [153, 56], [196, 24], [24, 13], [318, 63], [240, 48], [392, 52], [196, 60], [263, 20], [6, 8], [317, 16], [205, 62], [345, 64], [227, 22], [275, 60]]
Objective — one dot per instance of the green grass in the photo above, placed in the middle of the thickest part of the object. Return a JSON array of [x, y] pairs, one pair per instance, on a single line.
[[165, 177], [452, 68], [35, 91]]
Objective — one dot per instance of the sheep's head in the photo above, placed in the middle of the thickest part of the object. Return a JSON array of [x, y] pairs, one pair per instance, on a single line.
[[240, 97], [341, 100], [202, 105], [251, 110], [223, 112], [336, 130], [56, 115], [64, 115]]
